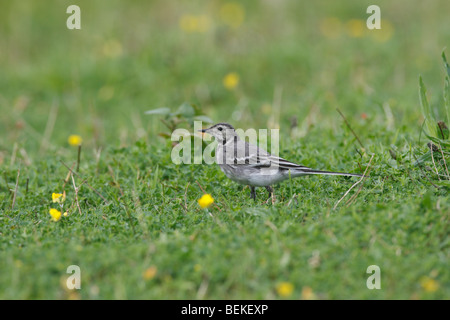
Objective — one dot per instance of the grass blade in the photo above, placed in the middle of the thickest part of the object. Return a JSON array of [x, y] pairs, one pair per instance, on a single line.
[[446, 65], [447, 87], [447, 98]]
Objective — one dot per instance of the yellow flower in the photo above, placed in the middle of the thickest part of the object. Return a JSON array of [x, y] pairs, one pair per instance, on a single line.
[[285, 289], [65, 214], [197, 267], [205, 201], [308, 294], [190, 23], [58, 197], [356, 28], [73, 296], [203, 23], [112, 48], [75, 140], [429, 284], [231, 80], [150, 273], [331, 27], [232, 14], [56, 214]]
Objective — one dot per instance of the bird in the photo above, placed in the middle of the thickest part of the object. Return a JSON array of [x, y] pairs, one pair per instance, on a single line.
[[250, 165]]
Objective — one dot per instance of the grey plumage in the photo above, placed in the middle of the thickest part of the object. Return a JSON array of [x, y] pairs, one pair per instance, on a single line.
[[247, 164]]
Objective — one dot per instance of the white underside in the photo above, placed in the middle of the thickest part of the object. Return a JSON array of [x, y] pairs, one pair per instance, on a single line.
[[258, 177]]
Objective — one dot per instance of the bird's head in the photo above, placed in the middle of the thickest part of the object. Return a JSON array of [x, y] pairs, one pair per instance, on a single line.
[[221, 131]]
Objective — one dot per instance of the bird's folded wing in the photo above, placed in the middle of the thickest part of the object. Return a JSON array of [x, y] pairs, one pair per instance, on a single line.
[[244, 153], [284, 164], [266, 160]]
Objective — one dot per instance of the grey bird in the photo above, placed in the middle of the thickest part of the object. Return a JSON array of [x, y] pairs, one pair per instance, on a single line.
[[249, 165]]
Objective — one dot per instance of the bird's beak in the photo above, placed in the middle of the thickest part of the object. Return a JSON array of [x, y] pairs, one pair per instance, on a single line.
[[203, 130]]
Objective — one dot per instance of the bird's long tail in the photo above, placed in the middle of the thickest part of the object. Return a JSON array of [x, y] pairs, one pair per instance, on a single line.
[[307, 171]]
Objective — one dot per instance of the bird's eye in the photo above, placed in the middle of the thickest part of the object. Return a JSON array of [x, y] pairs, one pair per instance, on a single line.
[[219, 128]]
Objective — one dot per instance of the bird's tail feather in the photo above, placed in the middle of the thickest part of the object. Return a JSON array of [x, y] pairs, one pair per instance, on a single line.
[[307, 171]]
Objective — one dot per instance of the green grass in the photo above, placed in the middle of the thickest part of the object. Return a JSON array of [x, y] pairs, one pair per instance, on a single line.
[[99, 81]]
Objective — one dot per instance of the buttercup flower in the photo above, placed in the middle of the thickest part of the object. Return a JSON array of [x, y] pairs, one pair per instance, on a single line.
[[204, 23], [385, 33], [308, 294], [150, 273], [112, 48], [285, 289], [205, 201], [429, 284], [56, 214], [58, 197], [232, 14], [197, 267], [356, 28], [75, 140], [231, 80], [190, 23]]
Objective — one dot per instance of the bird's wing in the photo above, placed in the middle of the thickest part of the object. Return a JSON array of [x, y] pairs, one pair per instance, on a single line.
[[242, 153], [299, 170]]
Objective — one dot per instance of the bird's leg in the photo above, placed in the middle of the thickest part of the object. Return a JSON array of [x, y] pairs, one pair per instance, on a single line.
[[270, 190], [253, 193]]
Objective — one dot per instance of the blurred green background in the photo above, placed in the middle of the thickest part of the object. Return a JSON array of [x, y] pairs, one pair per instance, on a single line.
[[255, 64], [129, 58]]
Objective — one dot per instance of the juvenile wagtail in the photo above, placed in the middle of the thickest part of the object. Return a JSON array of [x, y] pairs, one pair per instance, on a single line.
[[249, 165]]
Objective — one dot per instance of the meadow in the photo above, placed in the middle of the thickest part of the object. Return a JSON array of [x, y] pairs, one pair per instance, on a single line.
[[345, 98]]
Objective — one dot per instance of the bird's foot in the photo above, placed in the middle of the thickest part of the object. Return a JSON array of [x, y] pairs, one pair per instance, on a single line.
[[271, 196]]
